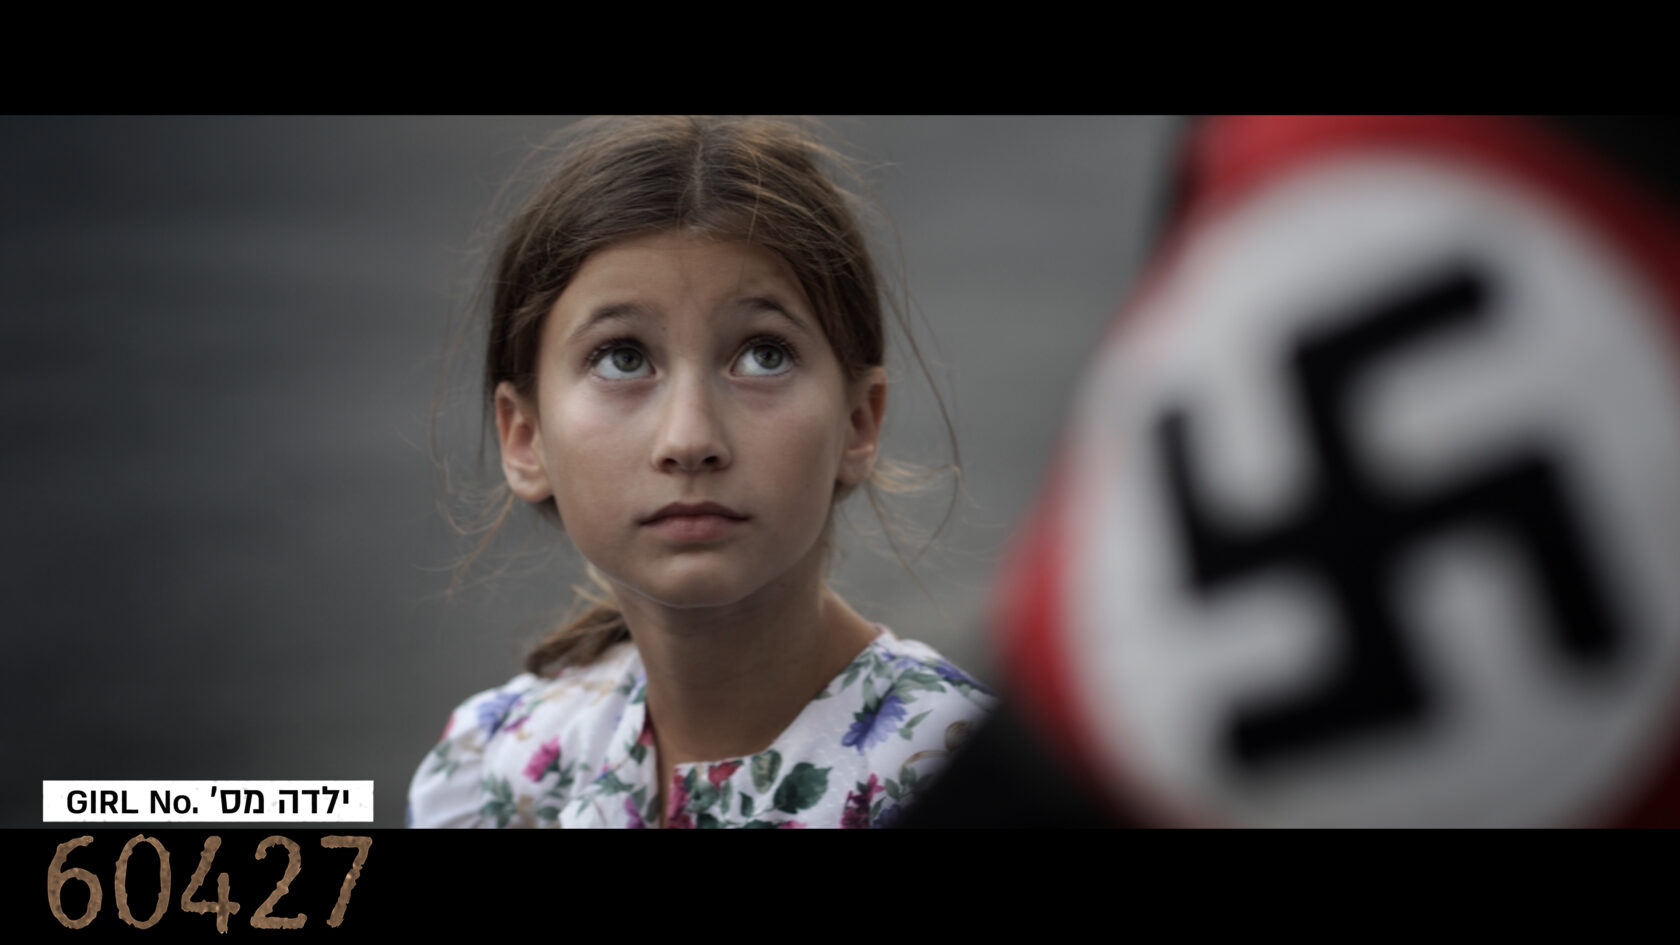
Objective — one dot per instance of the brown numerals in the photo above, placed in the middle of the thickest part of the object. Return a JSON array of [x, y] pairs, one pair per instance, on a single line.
[[222, 907], [362, 845], [57, 876], [262, 920], [122, 882]]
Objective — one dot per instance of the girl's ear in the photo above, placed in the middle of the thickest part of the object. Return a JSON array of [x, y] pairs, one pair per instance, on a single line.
[[863, 430], [521, 440]]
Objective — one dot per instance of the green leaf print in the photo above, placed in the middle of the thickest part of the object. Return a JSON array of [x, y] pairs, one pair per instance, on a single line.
[[610, 784], [907, 777], [501, 804], [802, 788], [638, 751], [501, 810], [445, 763], [883, 664], [706, 822], [760, 825], [909, 728], [746, 805], [852, 672], [765, 766], [704, 796], [892, 789], [915, 679], [549, 813]]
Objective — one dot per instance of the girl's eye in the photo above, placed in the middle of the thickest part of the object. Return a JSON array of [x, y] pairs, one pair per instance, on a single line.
[[618, 362], [765, 358]]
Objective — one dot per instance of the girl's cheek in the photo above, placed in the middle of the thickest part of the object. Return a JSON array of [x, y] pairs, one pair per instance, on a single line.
[[803, 445], [590, 410], [591, 436]]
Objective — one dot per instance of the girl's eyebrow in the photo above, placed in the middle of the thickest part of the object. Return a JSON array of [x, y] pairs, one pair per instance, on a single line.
[[614, 311], [631, 311], [769, 303]]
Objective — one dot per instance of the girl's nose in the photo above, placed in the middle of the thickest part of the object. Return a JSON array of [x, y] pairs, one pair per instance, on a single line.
[[691, 435]]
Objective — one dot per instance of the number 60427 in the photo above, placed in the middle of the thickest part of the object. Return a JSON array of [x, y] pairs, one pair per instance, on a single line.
[[222, 907]]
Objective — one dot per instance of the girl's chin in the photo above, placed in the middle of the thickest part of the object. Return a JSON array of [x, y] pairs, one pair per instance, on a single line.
[[713, 579], [696, 589], [696, 593]]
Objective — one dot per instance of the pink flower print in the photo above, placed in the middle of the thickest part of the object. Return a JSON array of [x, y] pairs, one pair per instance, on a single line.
[[636, 822], [646, 738], [544, 759], [790, 825], [676, 809], [720, 773], [856, 814]]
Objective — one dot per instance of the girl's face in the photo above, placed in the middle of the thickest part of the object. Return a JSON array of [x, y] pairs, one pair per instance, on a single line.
[[690, 419]]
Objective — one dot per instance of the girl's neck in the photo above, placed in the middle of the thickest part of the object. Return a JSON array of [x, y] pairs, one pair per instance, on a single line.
[[725, 682]]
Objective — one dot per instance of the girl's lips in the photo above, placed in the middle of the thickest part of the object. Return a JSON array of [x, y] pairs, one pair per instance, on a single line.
[[693, 510], [694, 528], [694, 522]]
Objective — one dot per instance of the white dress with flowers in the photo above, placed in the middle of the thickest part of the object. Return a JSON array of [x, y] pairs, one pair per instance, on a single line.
[[576, 751]]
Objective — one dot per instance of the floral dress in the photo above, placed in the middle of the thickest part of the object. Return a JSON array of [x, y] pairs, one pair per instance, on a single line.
[[577, 751]]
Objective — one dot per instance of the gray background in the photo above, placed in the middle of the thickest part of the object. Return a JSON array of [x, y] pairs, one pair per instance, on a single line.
[[223, 557]]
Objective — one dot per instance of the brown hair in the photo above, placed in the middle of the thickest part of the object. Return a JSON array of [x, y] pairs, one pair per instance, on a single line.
[[750, 179]]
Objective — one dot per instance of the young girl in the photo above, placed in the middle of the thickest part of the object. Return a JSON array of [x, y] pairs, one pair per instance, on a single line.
[[685, 367]]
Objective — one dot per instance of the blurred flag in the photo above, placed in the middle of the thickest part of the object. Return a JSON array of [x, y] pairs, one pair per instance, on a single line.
[[1368, 511]]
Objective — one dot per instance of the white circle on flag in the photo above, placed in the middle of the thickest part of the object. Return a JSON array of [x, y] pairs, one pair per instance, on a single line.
[[1572, 358]]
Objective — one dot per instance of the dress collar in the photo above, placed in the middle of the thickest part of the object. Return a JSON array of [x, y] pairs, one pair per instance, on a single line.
[[622, 791]]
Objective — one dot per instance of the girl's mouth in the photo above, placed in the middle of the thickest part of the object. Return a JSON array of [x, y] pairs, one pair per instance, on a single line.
[[694, 522], [694, 510]]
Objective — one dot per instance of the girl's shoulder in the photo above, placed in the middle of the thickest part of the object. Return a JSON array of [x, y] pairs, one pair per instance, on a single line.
[[882, 730], [496, 739], [906, 669]]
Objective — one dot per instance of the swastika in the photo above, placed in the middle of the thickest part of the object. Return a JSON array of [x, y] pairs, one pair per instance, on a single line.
[[1352, 535]]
